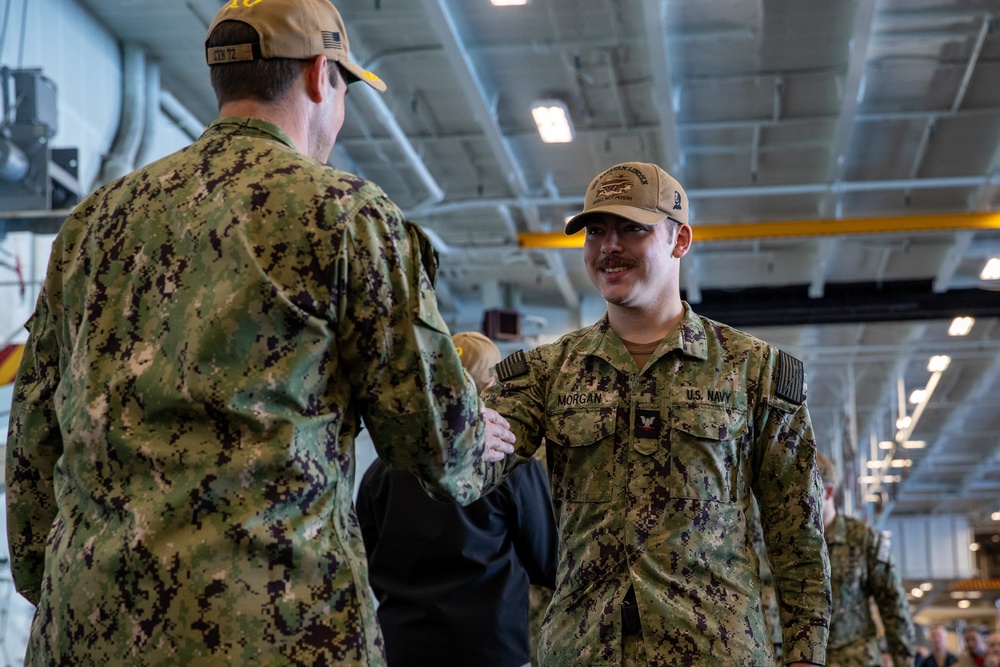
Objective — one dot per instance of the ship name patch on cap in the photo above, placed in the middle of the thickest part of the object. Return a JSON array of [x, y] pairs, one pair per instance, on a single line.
[[511, 367], [791, 384]]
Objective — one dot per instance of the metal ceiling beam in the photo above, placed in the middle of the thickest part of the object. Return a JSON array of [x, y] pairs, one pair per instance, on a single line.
[[800, 228], [850, 97], [655, 17], [464, 69]]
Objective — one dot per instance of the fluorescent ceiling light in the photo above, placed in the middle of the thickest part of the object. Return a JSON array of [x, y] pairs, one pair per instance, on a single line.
[[917, 593], [901, 463], [992, 270], [509, 3], [926, 586], [964, 604], [552, 119], [876, 464], [961, 326], [914, 444], [903, 422], [918, 396], [886, 444], [939, 364]]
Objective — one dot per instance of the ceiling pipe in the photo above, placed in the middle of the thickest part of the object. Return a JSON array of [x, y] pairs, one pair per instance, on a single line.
[[850, 98], [384, 114], [464, 70], [120, 160], [185, 121], [151, 107]]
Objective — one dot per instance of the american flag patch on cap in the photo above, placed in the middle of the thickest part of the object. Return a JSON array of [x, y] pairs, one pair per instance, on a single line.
[[331, 40], [791, 379], [512, 366]]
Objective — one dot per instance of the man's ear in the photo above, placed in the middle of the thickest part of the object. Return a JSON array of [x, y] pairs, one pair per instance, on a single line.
[[683, 243], [317, 79], [828, 492]]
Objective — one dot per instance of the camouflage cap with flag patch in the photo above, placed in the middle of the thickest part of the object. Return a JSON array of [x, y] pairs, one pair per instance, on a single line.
[[296, 29]]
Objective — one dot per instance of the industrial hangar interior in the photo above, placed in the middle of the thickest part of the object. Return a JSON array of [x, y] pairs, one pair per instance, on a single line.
[[842, 160]]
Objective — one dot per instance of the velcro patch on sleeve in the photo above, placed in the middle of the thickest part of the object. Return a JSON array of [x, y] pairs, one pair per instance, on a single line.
[[791, 379], [513, 366]]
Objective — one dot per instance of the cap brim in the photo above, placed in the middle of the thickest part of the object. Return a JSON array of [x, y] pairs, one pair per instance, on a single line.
[[361, 74], [579, 221]]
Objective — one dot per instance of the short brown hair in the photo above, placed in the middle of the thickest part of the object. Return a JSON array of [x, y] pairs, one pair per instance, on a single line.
[[265, 80], [827, 471]]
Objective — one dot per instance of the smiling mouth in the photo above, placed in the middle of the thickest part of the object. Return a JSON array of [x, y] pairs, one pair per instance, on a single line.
[[614, 268]]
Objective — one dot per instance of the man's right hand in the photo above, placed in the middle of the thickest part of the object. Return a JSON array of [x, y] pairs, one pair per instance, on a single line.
[[499, 438]]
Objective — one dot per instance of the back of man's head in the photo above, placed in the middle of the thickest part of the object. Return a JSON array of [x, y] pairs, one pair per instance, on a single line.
[[827, 470], [256, 49], [479, 356]]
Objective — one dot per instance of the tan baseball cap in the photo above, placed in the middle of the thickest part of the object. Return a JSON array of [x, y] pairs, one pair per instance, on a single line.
[[479, 355], [298, 29], [635, 190]]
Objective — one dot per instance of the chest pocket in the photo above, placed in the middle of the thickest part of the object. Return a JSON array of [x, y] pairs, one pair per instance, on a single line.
[[706, 451], [581, 453]]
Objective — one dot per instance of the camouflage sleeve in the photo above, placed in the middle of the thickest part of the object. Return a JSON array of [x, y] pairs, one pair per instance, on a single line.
[[520, 398], [886, 587], [417, 401], [34, 445], [789, 494]]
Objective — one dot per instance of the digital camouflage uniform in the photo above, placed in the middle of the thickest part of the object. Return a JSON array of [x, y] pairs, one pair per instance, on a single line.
[[212, 330], [861, 568], [651, 477]]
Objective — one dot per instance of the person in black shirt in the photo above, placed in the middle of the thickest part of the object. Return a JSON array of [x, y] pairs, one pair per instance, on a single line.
[[452, 581]]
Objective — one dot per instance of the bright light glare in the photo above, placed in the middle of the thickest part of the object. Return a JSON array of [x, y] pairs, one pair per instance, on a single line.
[[914, 444], [886, 444], [903, 422], [926, 586], [939, 364], [876, 464], [553, 123], [992, 270], [961, 326], [901, 463], [964, 604], [509, 3], [917, 593], [918, 396]]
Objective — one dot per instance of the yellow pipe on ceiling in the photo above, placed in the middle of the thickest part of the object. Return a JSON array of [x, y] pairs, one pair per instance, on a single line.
[[792, 228]]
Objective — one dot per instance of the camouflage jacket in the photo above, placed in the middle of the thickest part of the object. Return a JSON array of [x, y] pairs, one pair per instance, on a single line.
[[212, 331], [861, 568], [652, 475]]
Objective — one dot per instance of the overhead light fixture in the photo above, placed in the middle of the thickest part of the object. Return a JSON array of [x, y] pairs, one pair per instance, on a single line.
[[903, 422], [995, 516], [866, 479], [886, 444], [974, 546], [964, 604], [901, 463], [939, 364], [914, 444], [875, 465], [917, 593], [961, 326], [890, 479], [992, 270], [918, 396], [509, 3], [926, 586], [552, 119]]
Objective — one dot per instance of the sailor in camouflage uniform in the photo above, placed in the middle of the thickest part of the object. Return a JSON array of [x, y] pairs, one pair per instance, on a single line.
[[212, 331], [861, 570], [661, 428]]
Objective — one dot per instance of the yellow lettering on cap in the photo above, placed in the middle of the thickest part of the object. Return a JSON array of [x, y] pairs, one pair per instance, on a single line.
[[251, 3], [459, 350], [371, 77]]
